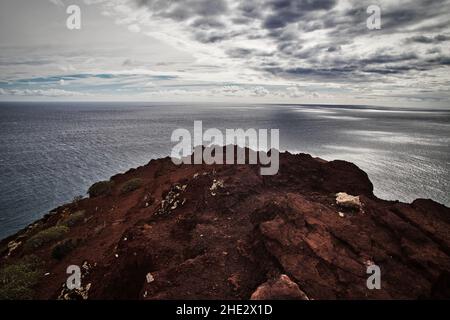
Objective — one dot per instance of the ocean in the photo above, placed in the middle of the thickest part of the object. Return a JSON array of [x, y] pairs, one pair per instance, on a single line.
[[52, 152]]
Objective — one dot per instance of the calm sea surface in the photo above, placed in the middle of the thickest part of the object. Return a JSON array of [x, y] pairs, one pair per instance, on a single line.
[[51, 152]]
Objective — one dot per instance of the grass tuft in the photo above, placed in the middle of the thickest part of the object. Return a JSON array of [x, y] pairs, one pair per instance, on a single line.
[[63, 248], [101, 188], [131, 185], [73, 219], [45, 236], [18, 279]]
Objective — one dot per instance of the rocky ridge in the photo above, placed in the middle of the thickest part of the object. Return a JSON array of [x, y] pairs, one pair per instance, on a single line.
[[226, 232]]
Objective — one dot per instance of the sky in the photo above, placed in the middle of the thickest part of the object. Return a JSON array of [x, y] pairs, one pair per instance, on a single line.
[[256, 51]]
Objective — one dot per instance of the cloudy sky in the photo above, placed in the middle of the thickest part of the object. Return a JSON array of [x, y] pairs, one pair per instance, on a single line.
[[287, 51]]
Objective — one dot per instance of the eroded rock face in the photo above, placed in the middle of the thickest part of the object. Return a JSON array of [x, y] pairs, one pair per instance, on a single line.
[[233, 239], [280, 288]]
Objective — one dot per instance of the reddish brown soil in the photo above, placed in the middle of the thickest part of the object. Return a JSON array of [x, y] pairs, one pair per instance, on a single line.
[[243, 236]]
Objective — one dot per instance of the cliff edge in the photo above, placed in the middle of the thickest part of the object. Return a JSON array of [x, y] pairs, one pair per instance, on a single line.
[[163, 231]]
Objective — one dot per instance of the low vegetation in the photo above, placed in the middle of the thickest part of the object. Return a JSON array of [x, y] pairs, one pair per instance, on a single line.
[[63, 248], [101, 188], [73, 219], [131, 185], [45, 236], [18, 279]]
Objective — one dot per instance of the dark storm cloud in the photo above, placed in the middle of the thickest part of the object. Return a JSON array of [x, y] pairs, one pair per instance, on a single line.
[[386, 58], [424, 39], [239, 52], [284, 12], [210, 37], [247, 53], [440, 60], [397, 18], [250, 9], [333, 48], [322, 72], [184, 9], [285, 24], [207, 23], [354, 70], [413, 13]]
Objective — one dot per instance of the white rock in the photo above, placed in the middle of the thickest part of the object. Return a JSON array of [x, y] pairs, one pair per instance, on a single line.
[[149, 277], [347, 201], [13, 245]]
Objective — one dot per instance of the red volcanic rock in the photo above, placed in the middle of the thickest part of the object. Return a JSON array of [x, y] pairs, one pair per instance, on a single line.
[[226, 232], [280, 288]]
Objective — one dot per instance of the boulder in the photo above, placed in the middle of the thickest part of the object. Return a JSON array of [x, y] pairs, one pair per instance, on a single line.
[[347, 201], [280, 288]]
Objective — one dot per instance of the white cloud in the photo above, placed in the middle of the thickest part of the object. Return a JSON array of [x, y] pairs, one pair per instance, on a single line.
[[57, 2], [41, 93], [134, 28]]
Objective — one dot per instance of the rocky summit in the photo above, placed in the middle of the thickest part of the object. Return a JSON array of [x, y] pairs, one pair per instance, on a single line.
[[163, 231]]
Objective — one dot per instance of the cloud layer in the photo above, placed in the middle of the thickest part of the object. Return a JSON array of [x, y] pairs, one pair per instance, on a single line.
[[289, 48]]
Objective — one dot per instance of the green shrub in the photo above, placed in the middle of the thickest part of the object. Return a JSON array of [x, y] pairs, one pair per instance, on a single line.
[[132, 185], [17, 280], [46, 236], [73, 219], [62, 248], [101, 188]]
